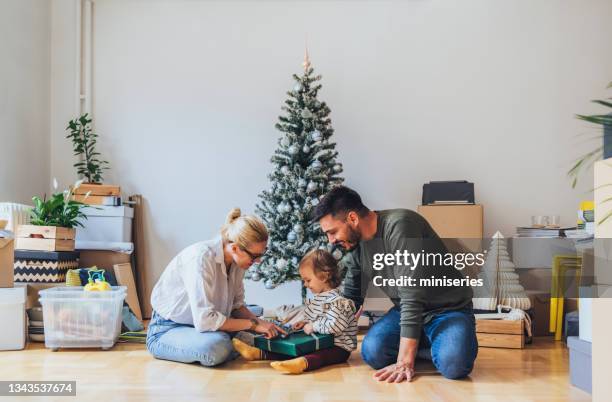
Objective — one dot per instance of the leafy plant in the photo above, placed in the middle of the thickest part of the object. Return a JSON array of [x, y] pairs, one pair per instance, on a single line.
[[588, 159], [59, 210], [84, 143]]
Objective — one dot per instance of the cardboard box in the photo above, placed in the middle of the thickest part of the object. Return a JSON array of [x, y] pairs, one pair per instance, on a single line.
[[6, 263], [32, 290], [103, 259], [454, 221]]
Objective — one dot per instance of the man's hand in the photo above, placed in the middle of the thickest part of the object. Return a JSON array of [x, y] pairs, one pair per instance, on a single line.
[[395, 373], [308, 329]]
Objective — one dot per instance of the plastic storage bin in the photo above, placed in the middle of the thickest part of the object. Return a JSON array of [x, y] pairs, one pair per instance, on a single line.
[[12, 317], [75, 318], [106, 223]]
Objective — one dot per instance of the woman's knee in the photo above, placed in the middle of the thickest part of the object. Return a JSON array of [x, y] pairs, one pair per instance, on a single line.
[[215, 352]]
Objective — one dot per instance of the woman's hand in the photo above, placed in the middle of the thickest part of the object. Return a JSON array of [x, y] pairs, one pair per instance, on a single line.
[[298, 325], [308, 329], [395, 373], [269, 329]]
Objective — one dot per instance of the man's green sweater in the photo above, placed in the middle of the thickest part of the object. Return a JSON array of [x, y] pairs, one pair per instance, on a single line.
[[404, 230]]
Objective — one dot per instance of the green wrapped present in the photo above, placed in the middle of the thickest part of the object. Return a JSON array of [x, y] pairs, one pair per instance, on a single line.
[[295, 344]]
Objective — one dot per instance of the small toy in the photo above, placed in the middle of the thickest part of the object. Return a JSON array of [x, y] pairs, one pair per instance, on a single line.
[[96, 282]]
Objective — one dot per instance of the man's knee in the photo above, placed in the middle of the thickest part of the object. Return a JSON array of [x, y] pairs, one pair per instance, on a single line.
[[373, 352], [453, 364]]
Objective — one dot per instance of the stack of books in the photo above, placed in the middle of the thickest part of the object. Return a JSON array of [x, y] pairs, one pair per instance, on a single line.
[[544, 232], [99, 194]]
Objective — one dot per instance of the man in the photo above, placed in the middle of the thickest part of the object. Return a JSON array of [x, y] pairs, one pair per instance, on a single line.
[[435, 321]]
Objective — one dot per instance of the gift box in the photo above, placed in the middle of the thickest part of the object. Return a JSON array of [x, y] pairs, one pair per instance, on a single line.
[[295, 344], [43, 266]]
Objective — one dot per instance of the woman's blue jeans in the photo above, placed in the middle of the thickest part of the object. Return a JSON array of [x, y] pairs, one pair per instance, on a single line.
[[448, 340], [169, 340]]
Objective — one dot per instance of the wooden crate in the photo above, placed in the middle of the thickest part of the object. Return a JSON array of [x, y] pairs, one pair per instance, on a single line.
[[500, 334], [98, 189], [44, 238]]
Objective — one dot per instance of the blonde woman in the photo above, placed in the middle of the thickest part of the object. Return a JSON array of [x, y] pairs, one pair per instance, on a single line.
[[199, 299]]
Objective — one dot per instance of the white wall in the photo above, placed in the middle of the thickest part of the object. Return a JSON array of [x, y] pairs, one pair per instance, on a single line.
[[186, 94], [24, 99]]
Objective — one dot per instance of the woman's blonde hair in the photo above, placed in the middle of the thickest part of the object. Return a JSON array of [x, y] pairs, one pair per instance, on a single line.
[[243, 230]]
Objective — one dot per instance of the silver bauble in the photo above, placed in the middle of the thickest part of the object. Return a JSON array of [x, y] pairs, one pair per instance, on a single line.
[[316, 136], [306, 149], [269, 284], [285, 170], [293, 150], [337, 168], [306, 114], [291, 236], [316, 165], [297, 228], [281, 263], [312, 186], [297, 87], [255, 276]]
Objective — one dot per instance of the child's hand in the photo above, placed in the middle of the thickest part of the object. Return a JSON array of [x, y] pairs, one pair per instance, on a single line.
[[308, 329], [298, 325]]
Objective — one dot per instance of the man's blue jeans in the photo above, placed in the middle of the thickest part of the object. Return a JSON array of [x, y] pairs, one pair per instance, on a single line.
[[448, 340], [169, 340]]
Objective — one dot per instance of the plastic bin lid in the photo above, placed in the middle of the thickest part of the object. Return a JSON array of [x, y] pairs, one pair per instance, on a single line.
[[76, 291], [12, 295]]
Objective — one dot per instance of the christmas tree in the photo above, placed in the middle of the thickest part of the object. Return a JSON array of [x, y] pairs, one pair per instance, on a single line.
[[305, 169]]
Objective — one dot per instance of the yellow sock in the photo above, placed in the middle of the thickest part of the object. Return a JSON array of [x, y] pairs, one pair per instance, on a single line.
[[246, 351], [293, 366]]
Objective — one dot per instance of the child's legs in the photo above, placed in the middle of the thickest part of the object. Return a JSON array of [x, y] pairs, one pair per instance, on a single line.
[[326, 357]]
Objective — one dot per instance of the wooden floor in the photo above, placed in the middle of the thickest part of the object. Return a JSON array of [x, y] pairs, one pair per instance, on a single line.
[[128, 373]]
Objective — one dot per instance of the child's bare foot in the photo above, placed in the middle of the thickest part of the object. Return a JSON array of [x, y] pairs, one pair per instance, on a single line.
[[246, 351], [293, 366]]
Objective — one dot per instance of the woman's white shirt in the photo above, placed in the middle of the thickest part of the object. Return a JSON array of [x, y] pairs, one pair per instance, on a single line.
[[196, 288]]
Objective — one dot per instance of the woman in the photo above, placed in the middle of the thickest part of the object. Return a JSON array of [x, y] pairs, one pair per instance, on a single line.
[[199, 299]]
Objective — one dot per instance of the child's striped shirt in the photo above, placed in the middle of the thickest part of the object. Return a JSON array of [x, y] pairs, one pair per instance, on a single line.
[[330, 313]]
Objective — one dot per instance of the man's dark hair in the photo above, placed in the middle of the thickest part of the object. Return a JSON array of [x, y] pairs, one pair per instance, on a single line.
[[340, 200]]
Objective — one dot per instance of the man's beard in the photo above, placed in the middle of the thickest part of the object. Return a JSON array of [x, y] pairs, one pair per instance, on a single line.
[[354, 237]]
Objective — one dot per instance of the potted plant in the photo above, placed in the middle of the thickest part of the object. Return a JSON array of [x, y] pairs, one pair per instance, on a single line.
[[84, 145], [602, 152], [53, 222]]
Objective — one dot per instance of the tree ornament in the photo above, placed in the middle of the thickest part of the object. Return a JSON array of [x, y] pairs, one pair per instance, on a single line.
[[306, 114], [269, 284], [312, 186], [291, 236], [316, 164], [293, 150], [255, 276], [337, 168], [297, 228], [285, 170], [302, 183], [306, 149], [314, 202], [297, 87], [316, 136], [281, 264]]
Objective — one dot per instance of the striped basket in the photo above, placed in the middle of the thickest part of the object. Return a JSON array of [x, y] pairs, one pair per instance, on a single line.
[[44, 266]]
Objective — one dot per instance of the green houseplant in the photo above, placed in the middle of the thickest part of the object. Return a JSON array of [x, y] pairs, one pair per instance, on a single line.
[[84, 145], [59, 210], [602, 152]]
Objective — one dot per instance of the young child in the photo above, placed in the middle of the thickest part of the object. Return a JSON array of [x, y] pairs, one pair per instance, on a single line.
[[326, 313]]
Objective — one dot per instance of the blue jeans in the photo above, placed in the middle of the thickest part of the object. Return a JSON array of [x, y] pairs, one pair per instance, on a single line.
[[448, 340], [169, 340]]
